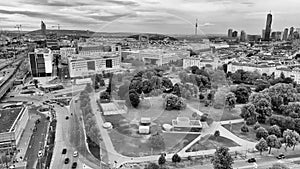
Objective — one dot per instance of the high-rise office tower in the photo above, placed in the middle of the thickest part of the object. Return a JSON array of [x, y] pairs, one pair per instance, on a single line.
[[243, 36], [291, 33], [234, 34], [43, 28], [285, 34], [268, 27], [263, 32], [230, 33]]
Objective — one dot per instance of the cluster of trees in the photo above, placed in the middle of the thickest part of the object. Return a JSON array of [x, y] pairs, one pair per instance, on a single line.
[[247, 77], [199, 77], [262, 81], [162, 160], [242, 93], [274, 138], [173, 102], [105, 96], [230, 100], [222, 158], [274, 99], [91, 128], [98, 81]]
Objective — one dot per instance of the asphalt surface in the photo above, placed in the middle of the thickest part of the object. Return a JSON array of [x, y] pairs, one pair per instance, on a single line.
[[36, 142]]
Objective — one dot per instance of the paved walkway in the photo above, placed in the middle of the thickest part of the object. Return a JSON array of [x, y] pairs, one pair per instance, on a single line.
[[232, 121], [25, 138]]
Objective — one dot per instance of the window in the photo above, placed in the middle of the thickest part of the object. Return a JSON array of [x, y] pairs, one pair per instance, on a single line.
[[109, 63]]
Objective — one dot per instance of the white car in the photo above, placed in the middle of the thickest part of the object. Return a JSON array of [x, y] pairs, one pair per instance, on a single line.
[[40, 154], [75, 154]]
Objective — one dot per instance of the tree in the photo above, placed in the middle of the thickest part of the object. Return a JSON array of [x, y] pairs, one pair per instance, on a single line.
[[35, 82], [157, 141], [286, 91], [275, 130], [242, 94], [152, 166], [162, 160], [245, 128], [134, 98], [276, 102], [261, 133], [222, 158], [264, 110], [147, 87], [173, 102], [273, 142], [88, 88], [217, 134], [176, 90], [176, 158], [290, 138], [167, 83], [256, 97], [262, 145], [230, 100], [248, 113]]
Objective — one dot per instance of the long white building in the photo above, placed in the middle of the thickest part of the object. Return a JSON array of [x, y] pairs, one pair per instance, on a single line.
[[14, 122], [85, 65]]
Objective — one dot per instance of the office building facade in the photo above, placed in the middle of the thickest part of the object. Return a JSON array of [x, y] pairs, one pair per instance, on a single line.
[[285, 34], [268, 27], [41, 62]]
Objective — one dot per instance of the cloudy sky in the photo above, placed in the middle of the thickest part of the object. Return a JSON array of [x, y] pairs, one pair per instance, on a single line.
[[161, 16]]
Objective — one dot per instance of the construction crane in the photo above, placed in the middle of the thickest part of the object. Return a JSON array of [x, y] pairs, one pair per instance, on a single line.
[[56, 26], [19, 27]]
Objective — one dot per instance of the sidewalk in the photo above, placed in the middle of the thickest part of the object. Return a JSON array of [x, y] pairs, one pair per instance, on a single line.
[[25, 138]]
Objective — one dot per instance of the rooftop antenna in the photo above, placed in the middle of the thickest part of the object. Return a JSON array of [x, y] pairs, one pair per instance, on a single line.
[[196, 26]]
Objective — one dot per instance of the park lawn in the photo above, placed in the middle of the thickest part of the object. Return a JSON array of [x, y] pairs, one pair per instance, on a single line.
[[211, 142], [250, 136], [222, 114], [138, 147], [153, 107]]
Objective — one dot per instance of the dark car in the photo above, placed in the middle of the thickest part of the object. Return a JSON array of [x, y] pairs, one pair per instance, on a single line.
[[67, 160], [74, 165], [64, 151], [280, 156], [251, 160], [67, 117]]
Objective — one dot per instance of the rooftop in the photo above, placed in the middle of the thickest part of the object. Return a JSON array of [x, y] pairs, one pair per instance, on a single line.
[[7, 118]]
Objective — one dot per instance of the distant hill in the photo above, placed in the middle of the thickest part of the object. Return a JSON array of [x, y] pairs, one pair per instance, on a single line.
[[63, 32], [154, 37]]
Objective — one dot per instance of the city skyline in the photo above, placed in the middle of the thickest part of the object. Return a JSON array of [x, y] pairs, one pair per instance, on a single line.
[[215, 16]]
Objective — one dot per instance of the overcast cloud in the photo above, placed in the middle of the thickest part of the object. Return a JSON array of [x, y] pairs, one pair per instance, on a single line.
[[161, 16]]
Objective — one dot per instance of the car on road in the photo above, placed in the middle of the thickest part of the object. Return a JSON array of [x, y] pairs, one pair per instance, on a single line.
[[74, 165], [251, 160], [75, 154], [67, 160], [280, 156], [40, 154], [64, 151], [67, 117]]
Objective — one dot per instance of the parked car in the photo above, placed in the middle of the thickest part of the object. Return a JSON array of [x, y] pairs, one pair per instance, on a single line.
[[74, 165], [75, 154], [64, 151], [280, 156], [40, 154], [67, 160], [251, 160], [67, 117]]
